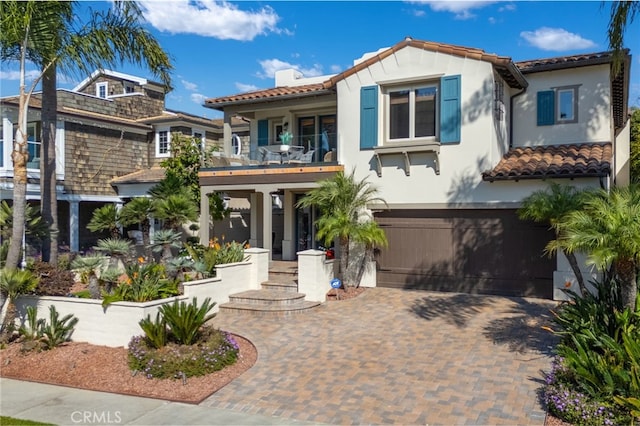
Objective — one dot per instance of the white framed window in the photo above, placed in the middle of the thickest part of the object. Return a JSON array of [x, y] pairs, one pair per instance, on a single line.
[[102, 89], [163, 143], [236, 144], [33, 145], [412, 112], [567, 104]]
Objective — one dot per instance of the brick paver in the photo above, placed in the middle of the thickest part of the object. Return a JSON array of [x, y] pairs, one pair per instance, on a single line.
[[397, 357]]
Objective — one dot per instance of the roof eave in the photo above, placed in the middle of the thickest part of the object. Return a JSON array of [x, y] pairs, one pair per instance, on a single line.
[[221, 105]]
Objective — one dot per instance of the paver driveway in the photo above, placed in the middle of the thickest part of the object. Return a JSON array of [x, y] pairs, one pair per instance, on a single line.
[[397, 357]]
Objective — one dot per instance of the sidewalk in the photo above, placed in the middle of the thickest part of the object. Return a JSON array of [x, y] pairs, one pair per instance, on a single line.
[[68, 406]]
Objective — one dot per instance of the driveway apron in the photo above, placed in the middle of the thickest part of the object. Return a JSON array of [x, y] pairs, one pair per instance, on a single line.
[[396, 357]]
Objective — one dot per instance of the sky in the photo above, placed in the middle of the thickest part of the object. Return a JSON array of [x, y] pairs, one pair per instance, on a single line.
[[222, 48]]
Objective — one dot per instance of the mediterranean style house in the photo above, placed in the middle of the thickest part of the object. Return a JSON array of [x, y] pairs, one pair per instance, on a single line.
[[453, 137], [113, 131]]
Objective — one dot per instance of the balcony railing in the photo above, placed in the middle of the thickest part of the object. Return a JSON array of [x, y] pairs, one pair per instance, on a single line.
[[303, 150]]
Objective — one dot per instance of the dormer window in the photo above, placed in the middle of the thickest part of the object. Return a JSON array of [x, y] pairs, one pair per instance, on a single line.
[[101, 89], [163, 143]]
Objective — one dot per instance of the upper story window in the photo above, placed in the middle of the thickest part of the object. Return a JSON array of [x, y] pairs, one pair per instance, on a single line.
[[412, 112], [558, 106], [199, 135], [236, 144], [101, 89], [129, 87], [33, 145], [163, 143]]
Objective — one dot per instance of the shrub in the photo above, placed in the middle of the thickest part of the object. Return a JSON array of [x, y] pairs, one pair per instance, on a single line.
[[213, 351], [155, 331], [54, 281], [184, 321], [57, 331], [33, 327], [144, 282], [597, 372], [215, 254]]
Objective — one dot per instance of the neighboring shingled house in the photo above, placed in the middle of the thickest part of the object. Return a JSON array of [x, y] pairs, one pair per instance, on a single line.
[[454, 138], [113, 131]]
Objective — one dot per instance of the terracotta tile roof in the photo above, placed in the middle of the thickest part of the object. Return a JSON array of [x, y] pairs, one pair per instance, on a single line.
[[268, 94], [559, 62], [152, 175], [503, 64], [554, 161]]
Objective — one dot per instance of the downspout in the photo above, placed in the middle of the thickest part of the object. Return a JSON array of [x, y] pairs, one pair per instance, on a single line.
[[511, 115]]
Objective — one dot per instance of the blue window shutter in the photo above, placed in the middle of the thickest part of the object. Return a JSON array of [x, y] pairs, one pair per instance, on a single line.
[[368, 117], [450, 109], [263, 132], [546, 108]]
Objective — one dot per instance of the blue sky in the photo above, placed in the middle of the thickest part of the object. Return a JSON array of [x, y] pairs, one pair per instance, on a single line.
[[224, 48]]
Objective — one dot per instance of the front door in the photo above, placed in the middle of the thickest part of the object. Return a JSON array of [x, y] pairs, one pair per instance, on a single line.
[[305, 229]]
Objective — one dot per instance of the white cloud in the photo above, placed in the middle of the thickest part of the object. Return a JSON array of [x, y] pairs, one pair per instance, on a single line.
[[246, 87], [198, 98], [556, 39], [335, 69], [510, 7], [209, 18], [15, 75], [461, 9], [192, 87], [270, 66]]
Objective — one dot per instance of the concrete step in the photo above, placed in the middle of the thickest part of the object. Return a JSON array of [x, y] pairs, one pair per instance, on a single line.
[[266, 297], [268, 310], [286, 286]]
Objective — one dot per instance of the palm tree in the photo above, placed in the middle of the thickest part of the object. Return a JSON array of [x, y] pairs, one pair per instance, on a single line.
[[176, 210], [552, 205], [106, 218], [622, 15], [139, 211], [164, 240], [13, 283], [608, 228], [45, 33], [117, 249], [342, 202], [88, 265]]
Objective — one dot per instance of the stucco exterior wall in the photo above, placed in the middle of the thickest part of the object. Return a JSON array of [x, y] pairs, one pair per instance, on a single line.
[[594, 108]]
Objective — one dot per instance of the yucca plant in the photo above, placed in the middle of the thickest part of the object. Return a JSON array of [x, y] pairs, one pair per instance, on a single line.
[[117, 249], [185, 320], [89, 267], [164, 240]]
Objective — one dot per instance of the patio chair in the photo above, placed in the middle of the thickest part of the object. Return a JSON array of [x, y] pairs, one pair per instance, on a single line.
[[307, 157]]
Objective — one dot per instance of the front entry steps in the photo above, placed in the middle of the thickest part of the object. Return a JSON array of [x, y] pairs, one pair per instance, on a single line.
[[278, 296]]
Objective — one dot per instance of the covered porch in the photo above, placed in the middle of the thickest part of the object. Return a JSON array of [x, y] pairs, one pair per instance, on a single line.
[[268, 188]]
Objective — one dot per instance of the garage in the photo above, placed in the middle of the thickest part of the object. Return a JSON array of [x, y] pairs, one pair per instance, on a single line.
[[470, 251]]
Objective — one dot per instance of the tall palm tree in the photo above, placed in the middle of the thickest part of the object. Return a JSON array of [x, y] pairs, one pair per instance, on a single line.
[[13, 283], [608, 228], [106, 218], [622, 15], [342, 202], [552, 205], [139, 211], [47, 33], [176, 210]]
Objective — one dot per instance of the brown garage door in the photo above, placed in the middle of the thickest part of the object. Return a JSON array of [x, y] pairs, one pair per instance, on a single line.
[[470, 251]]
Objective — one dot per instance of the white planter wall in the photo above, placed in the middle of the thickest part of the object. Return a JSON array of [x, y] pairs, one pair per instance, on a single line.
[[115, 325]]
